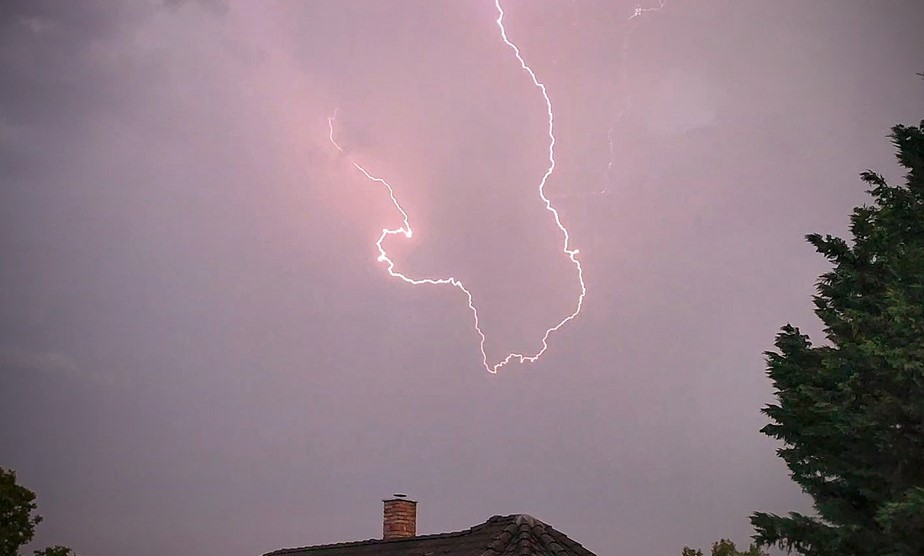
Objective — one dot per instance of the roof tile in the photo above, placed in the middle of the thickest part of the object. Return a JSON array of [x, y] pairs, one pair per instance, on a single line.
[[512, 535]]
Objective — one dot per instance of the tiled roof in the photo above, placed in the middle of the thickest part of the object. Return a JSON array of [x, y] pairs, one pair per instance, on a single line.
[[512, 535]]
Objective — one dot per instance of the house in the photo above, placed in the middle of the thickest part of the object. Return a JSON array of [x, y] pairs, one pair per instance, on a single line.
[[512, 535]]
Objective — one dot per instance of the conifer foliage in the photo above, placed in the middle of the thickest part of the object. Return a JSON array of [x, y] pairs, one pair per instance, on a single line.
[[850, 411]]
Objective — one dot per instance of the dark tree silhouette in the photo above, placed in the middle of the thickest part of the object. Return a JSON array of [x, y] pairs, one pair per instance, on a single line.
[[850, 411], [18, 518]]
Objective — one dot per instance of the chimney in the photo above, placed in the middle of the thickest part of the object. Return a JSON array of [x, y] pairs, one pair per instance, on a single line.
[[400, 518]]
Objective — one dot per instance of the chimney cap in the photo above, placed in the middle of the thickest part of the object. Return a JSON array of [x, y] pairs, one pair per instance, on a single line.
[[399, 496]]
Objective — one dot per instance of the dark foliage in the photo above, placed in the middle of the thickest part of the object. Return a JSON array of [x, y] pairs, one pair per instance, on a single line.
[[56, 550], [17, 520], [724, 547], [850, 412]]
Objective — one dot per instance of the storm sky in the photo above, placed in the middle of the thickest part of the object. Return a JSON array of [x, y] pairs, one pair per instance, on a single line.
[[200, 355]]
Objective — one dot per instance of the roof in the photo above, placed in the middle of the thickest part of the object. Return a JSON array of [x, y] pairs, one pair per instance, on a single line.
[[512, 535]]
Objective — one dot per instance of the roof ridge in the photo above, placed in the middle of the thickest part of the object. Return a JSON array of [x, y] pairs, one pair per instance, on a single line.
[[524, 529], [492, 520], [498, 536], [529, 520]]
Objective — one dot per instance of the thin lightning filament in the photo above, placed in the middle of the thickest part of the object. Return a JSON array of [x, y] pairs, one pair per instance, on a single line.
[[407, 231]]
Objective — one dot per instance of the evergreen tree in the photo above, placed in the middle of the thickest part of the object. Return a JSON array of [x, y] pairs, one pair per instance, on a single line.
[[850, 411]]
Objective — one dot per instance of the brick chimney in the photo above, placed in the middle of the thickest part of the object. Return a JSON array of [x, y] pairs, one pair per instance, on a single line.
[[400, 518]]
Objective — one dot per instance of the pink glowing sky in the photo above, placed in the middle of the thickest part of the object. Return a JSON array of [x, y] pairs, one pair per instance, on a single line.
[[199, 351]]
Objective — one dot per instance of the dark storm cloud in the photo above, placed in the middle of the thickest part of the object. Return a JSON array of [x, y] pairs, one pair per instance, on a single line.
[[52, 363], [200, 353], [216, 6], [51, 76]]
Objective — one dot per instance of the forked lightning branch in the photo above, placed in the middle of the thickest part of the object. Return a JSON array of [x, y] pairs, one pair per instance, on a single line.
[[407, 231]]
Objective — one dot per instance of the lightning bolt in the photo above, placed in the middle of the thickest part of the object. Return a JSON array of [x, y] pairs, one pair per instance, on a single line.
[[639, 10], [566, 246], [406, 230]]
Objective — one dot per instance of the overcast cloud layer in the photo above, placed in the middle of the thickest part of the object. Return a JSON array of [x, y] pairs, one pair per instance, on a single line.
[[200, 355]]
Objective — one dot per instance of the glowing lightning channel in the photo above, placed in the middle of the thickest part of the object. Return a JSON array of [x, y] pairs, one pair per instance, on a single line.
[[566, 247], [408, 232]]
